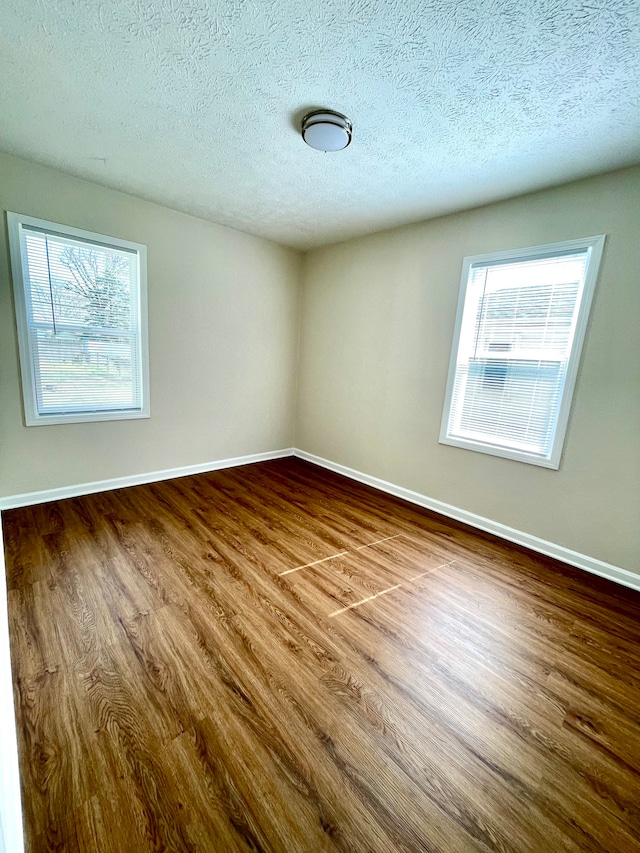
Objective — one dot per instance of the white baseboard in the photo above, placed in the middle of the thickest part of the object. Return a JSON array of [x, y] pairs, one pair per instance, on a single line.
[[30, 498], [549, 549], [11, 836]]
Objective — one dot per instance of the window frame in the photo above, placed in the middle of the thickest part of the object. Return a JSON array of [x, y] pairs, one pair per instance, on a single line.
[[28, 366], [594, 247]]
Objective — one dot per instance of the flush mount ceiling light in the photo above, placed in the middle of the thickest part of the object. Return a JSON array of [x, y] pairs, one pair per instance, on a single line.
[[326, 130]]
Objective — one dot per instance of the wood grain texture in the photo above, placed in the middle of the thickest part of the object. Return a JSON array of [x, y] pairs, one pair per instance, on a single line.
[[275, 658]]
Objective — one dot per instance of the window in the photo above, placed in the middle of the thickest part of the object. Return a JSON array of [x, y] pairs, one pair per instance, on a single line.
[[521, 322], [82, 327]]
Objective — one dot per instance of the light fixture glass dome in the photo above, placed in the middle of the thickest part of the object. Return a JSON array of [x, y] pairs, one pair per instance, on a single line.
[[326, 130]]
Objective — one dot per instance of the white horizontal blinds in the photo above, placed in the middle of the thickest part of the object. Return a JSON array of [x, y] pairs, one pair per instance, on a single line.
[[517, 331], [82, 303]]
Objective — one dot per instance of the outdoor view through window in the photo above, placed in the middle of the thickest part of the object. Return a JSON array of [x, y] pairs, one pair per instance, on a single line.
[[81, 301], [515, 344]]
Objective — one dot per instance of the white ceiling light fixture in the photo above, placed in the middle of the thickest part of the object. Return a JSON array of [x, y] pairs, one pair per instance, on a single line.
[[326, 130]]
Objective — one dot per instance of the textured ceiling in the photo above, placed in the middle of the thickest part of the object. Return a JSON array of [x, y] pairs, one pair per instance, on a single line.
[[196, 103]]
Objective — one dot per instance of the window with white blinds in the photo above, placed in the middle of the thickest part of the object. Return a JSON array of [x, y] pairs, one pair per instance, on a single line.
[[81, 316], [521, 322]]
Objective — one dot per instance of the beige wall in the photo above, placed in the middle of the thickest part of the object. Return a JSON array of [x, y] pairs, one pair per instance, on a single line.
[[223, 316], [377, 323]]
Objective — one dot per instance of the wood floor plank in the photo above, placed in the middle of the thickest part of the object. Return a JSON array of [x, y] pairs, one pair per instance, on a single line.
[[275, 658], [501, 686]]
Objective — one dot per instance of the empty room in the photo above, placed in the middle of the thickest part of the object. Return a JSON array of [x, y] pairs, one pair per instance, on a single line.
[[319, 426]]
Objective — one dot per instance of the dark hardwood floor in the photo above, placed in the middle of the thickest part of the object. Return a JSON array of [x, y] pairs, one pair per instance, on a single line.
[[274, 658]]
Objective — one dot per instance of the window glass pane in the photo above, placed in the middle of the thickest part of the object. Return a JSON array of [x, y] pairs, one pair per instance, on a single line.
[[78, 284], [85, 372], [509, 403], [82, 302]]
